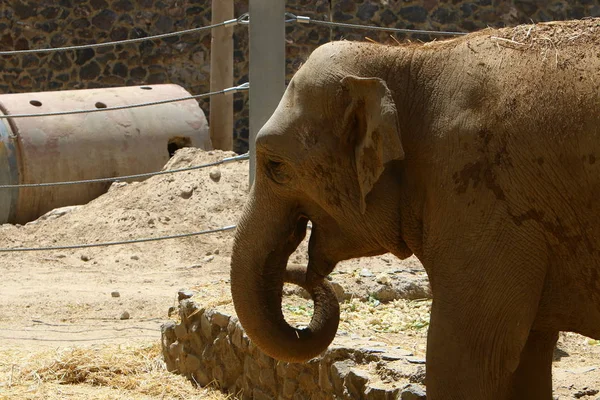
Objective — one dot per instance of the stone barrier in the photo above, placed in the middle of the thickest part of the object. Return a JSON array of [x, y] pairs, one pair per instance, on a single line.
[[209, 346]]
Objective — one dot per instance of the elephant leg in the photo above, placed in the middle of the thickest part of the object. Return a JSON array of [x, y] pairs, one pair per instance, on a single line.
[[533, 378], [480, 322]]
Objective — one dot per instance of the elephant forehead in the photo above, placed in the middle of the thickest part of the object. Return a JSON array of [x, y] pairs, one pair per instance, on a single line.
[[286, 135]]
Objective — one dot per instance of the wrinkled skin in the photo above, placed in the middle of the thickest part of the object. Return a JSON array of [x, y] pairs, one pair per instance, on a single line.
[[479, 159]]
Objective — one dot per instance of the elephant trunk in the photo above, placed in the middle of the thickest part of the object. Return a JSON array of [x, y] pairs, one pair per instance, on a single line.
[[265, 238]]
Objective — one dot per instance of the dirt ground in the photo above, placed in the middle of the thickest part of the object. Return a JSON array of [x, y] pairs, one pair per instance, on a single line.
[[62, 302]]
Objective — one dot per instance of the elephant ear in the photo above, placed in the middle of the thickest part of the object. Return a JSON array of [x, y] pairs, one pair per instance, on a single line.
[[372, 122]]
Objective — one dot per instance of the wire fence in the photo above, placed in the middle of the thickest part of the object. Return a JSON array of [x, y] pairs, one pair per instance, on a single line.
[[116, 243], [125, 41], [128, 177], [234, 89], [244, 19], [307, 20]]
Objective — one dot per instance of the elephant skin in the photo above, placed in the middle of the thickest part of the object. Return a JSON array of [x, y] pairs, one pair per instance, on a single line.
[[480, 155]]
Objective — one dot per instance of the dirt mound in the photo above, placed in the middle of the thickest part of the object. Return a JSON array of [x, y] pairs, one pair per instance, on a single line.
[[190, 201]]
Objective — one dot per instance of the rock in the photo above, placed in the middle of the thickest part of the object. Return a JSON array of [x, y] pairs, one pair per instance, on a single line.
[[356, 381], [57, 213], [386, 294], [123, 5], [339, 371], [206, 327], [181, 332], [445, 15], [380, 392], [216, 251], [258, 394], [340, 293], [82, 57], [115, 294], [383, 279], [135, 258], [186, 191], [121, 70], [416, 288], [323, 380], [415, 360], [412, 392], [289, 388], [85, 257], [172, 310], [209, 259], [585, 392], [125, 315], [581, 370], [220, 319], [90, 71], [104, 19], [215, 174], [267, 377], [414, 13], [388, 17], [418, 376], [396, 354], [366, 11], [201, 377], [192, 363], [237, 337], [184, 294], [117, 185], [365, 273]]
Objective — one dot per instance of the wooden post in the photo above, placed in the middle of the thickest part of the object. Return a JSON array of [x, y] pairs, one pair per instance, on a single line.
[[221, 76], [267, 65]]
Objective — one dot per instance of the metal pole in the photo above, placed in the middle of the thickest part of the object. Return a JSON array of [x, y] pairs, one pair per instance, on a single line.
[[221, 76], [267, 65]]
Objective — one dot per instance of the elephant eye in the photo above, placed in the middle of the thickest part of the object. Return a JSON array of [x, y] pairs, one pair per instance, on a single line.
[[278, 171]]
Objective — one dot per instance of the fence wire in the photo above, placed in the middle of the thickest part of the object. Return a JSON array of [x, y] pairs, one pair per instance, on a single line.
[[127, 177], [234, 89], [126, 41], [117, 243], [307, 20]]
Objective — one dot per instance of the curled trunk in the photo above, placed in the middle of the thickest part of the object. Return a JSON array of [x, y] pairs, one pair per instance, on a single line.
[[264, 241]]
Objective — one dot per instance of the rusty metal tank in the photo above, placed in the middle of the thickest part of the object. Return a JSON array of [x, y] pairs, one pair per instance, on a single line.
[[87, 146]]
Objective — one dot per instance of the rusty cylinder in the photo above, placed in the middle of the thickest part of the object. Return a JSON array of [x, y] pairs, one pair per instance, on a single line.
[[87, 146]]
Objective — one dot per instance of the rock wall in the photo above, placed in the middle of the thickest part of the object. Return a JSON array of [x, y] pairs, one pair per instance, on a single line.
[[210, 347], [185, 60]]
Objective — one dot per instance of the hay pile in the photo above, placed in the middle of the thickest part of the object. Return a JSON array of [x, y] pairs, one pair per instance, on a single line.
[[115, 372], [553, 35]]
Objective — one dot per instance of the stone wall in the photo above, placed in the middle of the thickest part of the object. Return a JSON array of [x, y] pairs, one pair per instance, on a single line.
[[210, 347], [185, 60]]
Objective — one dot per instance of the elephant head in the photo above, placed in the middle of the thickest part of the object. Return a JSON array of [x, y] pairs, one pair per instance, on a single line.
[[324, 156]]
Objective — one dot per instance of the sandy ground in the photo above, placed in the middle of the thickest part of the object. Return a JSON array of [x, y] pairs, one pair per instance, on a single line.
[[56, 300]]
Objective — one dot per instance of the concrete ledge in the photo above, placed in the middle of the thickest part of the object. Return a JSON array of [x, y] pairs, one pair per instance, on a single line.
[[209, 346]]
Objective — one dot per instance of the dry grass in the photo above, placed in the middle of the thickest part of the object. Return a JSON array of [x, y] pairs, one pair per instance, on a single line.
[[101, 372], [367, 318], [550, 35]]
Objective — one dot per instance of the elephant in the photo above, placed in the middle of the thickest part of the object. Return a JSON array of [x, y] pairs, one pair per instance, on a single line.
[[480, 155]]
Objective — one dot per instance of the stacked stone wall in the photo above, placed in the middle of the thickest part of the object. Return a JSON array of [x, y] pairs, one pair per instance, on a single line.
[[185, 60], [209, 346]]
